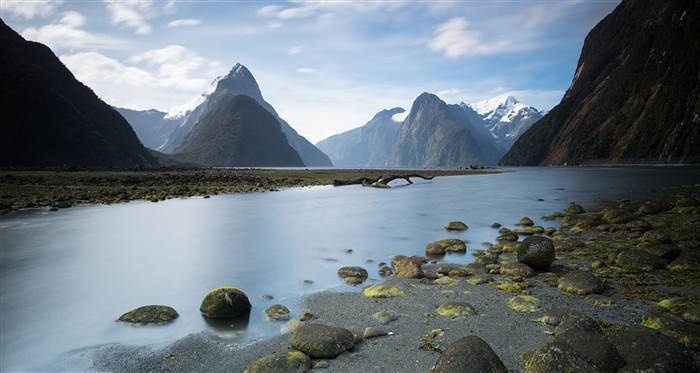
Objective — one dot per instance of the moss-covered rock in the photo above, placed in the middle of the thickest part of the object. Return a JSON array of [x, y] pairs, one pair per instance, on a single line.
[[455, 309], [150, 314], [574, 209], [687, 262], [441, 247], [353, 275], [456, 226], [322, 341], [591, 346], [597, 300], [537, 252], [508, 236], [526, 221], [511, 286], [646, 350], [529, 230], [385, 317], [277, 312], [616, 216], [407, 267], [556, 357], [446, 281], [684, 332], [226, 302], [468, 355], [523, 303], [281, 362], [580, 283], [382, 291], [638, 261], [479, 279], [516, 269]]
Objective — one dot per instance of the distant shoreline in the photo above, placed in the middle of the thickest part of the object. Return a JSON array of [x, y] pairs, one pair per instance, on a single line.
[[62, 188]]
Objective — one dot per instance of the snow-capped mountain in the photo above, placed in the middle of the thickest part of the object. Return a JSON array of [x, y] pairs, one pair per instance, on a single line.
[[505, 117], [180, 112]]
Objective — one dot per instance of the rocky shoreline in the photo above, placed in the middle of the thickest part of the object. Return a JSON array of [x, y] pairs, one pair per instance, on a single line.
[[56, 189], [615, 289]]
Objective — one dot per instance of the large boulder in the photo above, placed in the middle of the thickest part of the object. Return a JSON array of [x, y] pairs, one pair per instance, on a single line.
[[407, 267], [675, 327], [150, 315], [322, 341], [580, 283], [537, 252], [639, 261], [557, 357], [225, 302], [592, 346], [281, 362], [646, 350], [468, 355]]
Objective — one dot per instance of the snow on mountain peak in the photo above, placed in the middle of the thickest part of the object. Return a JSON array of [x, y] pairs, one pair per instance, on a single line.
[[183, 110], [504, 101]]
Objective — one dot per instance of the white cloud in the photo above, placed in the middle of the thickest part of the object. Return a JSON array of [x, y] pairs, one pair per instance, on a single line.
[[274, 24], [293, 51], [184, 22], [29, 9], [67, 32], [175, 66], [400, 117], [306, 70], [130, 14], [325, 9], [454, 39]]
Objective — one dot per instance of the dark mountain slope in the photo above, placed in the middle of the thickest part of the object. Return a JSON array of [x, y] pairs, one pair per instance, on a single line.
[[237, 131], [634, 96], [51, 119]]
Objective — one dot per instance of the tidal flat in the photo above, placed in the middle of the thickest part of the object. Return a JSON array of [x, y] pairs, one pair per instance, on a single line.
[[620, 291], [21, 189]]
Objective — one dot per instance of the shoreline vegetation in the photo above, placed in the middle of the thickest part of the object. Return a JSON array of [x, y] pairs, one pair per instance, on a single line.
[[615, 288], [56, 189]]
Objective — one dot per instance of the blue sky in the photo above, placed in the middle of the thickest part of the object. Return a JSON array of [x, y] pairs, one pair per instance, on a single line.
[[325, 66]]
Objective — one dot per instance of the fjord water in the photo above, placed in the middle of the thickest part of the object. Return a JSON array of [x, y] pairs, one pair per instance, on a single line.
[[66, 276]]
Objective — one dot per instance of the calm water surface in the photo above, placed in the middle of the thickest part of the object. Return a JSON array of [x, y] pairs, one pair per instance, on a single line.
[[66, 276]]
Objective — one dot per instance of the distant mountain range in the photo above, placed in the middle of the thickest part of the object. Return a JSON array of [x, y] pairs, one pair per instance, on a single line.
[[434, 134], [172, 131], [51, 119], [635, 95]]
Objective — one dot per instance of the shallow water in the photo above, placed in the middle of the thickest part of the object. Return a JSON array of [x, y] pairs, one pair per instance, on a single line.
[[66, 276]]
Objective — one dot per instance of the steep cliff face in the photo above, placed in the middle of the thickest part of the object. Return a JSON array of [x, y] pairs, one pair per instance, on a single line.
[[238, 132], [439, 135], [51, 119], [634, 95], [371, 145]]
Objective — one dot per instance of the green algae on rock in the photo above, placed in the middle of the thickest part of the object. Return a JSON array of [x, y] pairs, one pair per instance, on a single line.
[[281, 362], [537, 252], [580, 283], [455, 309], [226, 302], [523, 303], [382, 291], [322, 341], [150, 314], [456, 226], [277, 312]]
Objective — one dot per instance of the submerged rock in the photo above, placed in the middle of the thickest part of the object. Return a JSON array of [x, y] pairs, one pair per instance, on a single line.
[[456, 226], [281, 362], [225, 302], [322, 341], [277, 312], [468, 355], [150, 314], [353, 275], [580, 283], [537, 252]]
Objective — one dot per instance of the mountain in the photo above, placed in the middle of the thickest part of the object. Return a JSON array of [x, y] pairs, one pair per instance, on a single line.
[[237, 131], [505, 117], [634, 96], [51, 119], [368, 146], [240, 81], [152, 127], [436, 134]]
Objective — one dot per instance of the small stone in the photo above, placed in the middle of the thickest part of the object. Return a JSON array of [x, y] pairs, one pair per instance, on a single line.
[[308, 282], [322, 341], [385, 271], [692, 314], [321, 364], [150, 315], [455, 309], [516, 269], [307, 316], [469, 355], [373, 332], [290, 361], [597, 300], [526, 221], [512, 287], [580, 283], [445, 281], [353, 275], [480, 279], [277, 312], [496, 225], [385, 317], [523, 303], [456, 226], [267, 297], [382, 291]]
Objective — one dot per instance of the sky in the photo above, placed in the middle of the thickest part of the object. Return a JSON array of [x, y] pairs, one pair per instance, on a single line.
[[326, 66]]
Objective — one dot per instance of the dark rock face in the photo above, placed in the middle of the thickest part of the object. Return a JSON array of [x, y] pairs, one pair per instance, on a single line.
[[51, 119], [152, 127], [322, 341], [556, 357], [634, 95], [240, 81], [469, 355], [239, 132], [537, 252], [281, 362], [646, 350], [150, 314], [436, 134], [371, 145]]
